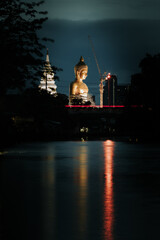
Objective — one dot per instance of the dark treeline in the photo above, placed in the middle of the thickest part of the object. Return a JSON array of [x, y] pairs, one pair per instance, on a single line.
[[21, 66], [145, 86], [145, 91], [20, 46], [34, 114]]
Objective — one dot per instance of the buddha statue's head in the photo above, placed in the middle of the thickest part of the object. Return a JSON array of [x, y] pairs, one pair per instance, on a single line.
[[81, 69]]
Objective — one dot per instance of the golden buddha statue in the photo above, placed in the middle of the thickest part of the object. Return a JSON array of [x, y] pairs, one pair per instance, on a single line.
[[78, 89]]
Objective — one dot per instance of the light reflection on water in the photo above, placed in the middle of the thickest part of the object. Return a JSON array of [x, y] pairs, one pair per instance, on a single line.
[[81, 183], [108, 189], [48, 182], [80, 191]]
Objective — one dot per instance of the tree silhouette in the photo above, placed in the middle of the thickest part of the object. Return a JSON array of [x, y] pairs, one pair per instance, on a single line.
[[146, 84], [20, 46]]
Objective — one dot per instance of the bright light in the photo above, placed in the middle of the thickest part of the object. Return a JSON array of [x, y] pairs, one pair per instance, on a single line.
[[84, 129], [109, 75], [109, 143]]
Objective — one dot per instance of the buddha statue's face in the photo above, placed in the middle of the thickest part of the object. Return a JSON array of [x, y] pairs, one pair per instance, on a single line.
[[83, 74]]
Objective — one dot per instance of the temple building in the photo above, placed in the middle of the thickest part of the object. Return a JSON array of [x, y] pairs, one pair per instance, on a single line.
[[47, 80]]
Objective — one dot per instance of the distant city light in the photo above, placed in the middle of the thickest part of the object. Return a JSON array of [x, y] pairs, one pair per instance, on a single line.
[[109, 75], [84, 129], [104, 106]]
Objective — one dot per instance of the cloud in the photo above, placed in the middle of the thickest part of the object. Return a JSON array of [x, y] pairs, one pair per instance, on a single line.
[[103, 9]]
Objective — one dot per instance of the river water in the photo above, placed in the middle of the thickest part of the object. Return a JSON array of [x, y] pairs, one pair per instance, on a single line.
[[76, 190]]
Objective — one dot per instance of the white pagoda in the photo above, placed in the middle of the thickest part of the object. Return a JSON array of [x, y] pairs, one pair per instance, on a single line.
[[47, 80]]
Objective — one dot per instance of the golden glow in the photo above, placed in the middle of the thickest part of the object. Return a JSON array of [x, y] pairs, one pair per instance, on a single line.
[[49, 201], [78, 87], [49, 175], [83, 170], [2, 153], [81, 178], [108, 190]]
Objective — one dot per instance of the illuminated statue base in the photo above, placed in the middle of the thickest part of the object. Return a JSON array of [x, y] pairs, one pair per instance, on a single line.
[[81, 99]]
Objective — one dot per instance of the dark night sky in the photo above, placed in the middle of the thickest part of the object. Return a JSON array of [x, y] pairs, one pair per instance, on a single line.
[[122, 33]]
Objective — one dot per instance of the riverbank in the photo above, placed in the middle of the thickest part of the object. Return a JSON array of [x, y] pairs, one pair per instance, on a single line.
[[37, 116]]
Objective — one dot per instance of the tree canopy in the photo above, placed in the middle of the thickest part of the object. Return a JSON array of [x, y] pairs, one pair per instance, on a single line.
[[146, 84], [20, 46]]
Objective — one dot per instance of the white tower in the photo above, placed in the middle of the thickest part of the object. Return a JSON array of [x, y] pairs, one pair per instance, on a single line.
[[47, 81]]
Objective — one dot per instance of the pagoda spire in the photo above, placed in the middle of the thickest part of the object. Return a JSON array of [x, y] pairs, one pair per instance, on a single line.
[[47, 56], [47, 80]]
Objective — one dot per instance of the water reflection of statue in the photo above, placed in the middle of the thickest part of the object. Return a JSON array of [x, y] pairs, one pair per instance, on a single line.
[[78, 89]]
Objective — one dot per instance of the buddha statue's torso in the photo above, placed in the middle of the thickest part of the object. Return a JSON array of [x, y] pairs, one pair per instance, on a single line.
[[78, 88]]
